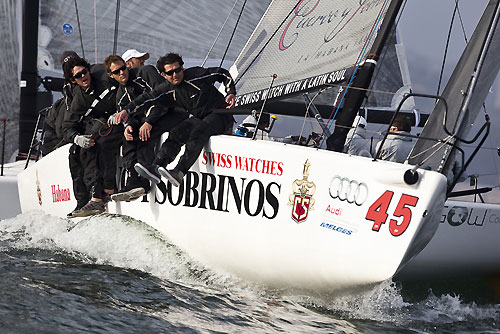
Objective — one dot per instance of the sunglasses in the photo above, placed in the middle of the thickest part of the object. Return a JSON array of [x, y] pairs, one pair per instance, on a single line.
[[175, 70], [80, 74], [116, 72]]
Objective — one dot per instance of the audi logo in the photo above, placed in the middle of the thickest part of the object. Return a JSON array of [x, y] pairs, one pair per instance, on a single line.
[[348, 190]]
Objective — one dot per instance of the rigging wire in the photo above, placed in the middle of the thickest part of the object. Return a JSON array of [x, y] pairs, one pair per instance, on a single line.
[[232, 35], [95, 32], [357, 64], [79, 28], [218, 34], [386, 50], [446, 48], [117, 19]]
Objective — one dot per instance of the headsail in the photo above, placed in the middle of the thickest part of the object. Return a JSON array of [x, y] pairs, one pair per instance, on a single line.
[[308, 46], [464, 94]]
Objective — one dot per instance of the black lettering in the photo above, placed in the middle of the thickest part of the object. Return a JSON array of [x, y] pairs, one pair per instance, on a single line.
[[236, 195], [163, 190], [272, 200], [207, 193], [192, 181], [180, 194], [220, 194], [260, 199]]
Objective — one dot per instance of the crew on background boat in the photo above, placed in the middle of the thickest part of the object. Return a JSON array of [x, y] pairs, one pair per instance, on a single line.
[[398, 144], [357, 142], [143, 127], [193, 90], [134, 58], [94, 98]]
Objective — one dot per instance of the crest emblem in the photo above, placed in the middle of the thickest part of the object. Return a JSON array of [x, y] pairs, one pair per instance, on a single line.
[[301, 199]]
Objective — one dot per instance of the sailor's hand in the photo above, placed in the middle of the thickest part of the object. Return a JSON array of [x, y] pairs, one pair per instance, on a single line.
[[145, 131], [84, 141], [231, 100], [122, 116], [111, 119], [128, 133]]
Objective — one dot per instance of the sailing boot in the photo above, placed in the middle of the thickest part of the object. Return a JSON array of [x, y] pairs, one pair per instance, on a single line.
[[133, 189], [91, 208], [79, 205], [149, 172], [175, 176]]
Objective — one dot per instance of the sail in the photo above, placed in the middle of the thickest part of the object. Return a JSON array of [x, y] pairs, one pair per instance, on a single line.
[[307, 45], [9, 87], [464, 98], [187, 27]]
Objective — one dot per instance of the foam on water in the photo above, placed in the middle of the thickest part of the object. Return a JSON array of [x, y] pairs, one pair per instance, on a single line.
[[127, 243], [112, 240]]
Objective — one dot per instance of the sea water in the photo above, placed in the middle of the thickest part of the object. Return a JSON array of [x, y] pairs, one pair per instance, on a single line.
[[112, 274]]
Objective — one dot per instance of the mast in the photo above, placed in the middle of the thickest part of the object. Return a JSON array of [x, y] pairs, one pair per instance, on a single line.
[[354, 97], [29, 76]]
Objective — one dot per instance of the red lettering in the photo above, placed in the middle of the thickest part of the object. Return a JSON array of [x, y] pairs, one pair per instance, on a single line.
[[280, 168]]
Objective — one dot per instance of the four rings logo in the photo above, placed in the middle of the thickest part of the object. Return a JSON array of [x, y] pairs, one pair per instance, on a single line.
[[348, 190]]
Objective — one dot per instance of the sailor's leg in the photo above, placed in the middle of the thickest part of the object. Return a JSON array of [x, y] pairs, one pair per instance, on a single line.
[[213, 124]]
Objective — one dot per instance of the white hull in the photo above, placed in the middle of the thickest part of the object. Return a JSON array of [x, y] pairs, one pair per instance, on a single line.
[[237, 218], [466, 243]]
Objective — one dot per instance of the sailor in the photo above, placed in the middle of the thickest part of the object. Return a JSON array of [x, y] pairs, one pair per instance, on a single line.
[[398, 143], [357, 142], [193, 90], [83, 179], [86, 125], [134, 58], [143, 127]]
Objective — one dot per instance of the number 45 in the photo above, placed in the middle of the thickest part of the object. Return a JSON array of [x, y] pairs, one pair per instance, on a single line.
[[377, 212]]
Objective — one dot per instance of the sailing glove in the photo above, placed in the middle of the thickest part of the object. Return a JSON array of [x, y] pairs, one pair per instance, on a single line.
[[84, 141], [111, 119]]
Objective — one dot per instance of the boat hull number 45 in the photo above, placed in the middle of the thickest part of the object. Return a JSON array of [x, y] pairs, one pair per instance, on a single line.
[[377, 212]]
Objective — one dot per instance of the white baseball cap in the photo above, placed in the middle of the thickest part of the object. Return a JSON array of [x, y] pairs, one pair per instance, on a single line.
[[359, 120], [132, 53]]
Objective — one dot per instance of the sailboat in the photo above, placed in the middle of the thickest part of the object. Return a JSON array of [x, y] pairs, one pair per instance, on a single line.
[[295, 216]]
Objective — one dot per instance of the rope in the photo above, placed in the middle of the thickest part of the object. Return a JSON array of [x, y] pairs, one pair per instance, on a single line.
[[79, 29], [307, 111], [232, 35], [217, 37], [117, 20]]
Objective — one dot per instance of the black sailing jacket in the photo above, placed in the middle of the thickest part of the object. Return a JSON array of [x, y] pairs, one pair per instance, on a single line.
[[141, 80], [196, 93]]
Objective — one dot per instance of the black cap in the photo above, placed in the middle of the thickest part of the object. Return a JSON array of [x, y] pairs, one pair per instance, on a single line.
[[67, 55]]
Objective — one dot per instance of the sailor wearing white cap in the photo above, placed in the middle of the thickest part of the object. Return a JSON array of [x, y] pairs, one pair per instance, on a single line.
[[134, 58]]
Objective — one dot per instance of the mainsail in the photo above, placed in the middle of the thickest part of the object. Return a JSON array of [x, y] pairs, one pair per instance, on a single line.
[[464, 94], [187, 27], [307, 45]]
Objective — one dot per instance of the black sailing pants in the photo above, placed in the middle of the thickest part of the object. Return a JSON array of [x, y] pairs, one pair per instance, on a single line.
[[82, 166], [137, 150], [194, 133]]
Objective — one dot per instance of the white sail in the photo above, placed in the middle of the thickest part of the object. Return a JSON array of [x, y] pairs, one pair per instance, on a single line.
[[307, 46]]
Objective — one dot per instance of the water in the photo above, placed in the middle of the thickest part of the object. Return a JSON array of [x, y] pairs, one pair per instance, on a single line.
[[110, 274]]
